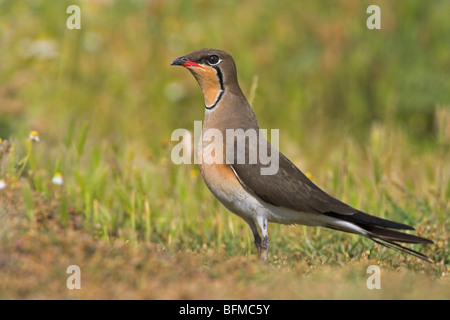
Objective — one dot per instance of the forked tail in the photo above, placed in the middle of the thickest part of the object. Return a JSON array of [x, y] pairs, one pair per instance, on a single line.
[[380, 231], [389, 239]]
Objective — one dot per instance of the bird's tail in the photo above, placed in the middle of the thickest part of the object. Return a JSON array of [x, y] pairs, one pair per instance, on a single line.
[[390, 238], [380, 231]]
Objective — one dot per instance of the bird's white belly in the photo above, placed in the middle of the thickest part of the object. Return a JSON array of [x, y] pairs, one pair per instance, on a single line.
[[251, 206]]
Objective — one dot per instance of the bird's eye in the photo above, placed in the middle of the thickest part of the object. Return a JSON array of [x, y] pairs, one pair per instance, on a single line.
[[213, 59]]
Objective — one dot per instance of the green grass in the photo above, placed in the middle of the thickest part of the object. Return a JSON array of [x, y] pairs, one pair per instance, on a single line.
[[365, 113]]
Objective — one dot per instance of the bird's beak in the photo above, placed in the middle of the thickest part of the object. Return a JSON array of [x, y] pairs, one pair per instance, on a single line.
[[179, 61], [183, 61]]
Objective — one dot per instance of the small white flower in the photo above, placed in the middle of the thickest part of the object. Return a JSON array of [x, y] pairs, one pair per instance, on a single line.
[[2, 184], [41, 49], [34, 136], [58, 179]]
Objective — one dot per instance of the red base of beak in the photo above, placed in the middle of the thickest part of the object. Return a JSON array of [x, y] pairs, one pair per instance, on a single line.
[[191, 64]]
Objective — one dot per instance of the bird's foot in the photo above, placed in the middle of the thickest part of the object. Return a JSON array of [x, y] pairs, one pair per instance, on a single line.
[[263, 249]]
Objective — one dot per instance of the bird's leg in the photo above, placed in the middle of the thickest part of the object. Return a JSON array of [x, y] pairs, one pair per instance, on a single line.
[[258, 244], [256, 235], [263, 249]]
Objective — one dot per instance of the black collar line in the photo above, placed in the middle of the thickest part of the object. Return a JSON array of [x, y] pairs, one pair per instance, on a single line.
[[219, 97]]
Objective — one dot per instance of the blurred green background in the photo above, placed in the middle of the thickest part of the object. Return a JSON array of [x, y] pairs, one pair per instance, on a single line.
[[366, 113], [318, 66]]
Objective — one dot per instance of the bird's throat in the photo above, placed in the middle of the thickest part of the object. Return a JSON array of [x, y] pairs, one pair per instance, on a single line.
[[211, 82], [212, 97]]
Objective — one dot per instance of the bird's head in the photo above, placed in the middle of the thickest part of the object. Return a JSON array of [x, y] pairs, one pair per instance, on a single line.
[[214, 70]]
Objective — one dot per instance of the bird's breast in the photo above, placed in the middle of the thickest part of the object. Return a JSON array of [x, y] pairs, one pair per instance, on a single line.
[[218, 176], [221, 180]]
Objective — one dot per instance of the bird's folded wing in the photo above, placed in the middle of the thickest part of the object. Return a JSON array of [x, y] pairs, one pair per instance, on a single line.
[[287, 187]]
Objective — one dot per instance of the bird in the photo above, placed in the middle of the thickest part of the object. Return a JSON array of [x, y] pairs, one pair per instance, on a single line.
[[286, 196]]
